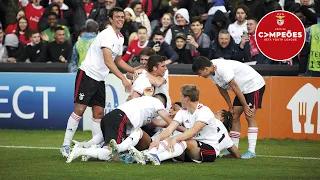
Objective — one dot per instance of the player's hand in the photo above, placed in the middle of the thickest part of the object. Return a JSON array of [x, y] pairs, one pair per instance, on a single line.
[[248, 111], [127, 85], [137, 73], [154, 144], [171, 143], [231, 109]]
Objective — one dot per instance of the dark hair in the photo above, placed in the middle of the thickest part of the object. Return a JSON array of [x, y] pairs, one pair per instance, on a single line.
[[34, 32], [200, 63], [253, 18], [27, 31], [159, 33], [134, 3], [92, 27], [142, 27], [148, 51], [163, 97], [178, 103], [227, 119], [59, 28], [244, 7], [196, 19], [113, 10], [53, 14], [155, 60]]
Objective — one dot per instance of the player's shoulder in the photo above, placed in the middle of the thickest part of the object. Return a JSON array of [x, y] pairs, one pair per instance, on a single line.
[[204, 109]]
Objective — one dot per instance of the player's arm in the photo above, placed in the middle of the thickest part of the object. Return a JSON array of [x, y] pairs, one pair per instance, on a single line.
[[234, 151], [135, 94], [189, 133], [107, 55], [156, 81], [166, 117], [123, 65], [168, 131], [224, 93]]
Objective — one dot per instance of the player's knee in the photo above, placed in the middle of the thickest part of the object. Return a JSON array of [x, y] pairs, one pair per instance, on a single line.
[[98, 113]]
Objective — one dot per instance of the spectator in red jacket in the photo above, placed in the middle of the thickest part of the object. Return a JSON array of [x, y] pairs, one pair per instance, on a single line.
[[23, 31], [34, 12]]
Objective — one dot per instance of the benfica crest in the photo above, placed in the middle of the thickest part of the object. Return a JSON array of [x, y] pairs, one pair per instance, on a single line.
[[280, 20]]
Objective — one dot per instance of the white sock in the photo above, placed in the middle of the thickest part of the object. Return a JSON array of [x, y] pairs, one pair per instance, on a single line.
[[72, 126], [178, 150], [252, 138], [100, 153], [95, 126], [132, 140], [97, 139], [162, 147], [235, 137]]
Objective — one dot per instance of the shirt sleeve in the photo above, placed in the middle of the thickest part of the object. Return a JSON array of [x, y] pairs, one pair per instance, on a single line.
[[179, 117], [105, 42], [204, 115], [158, 105]]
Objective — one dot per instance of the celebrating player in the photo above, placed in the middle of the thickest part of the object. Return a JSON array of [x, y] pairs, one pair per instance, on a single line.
[[248, 86], [104, 55]]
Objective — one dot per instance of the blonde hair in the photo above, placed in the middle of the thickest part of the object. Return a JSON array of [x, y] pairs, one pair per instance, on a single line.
[[191, 91]]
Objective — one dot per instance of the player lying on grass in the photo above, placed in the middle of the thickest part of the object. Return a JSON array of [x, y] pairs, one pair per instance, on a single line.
[[202, 141], [127, 118]]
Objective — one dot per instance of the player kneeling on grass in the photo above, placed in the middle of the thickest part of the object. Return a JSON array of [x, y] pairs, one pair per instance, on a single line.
[[200, 140], [128, 117]]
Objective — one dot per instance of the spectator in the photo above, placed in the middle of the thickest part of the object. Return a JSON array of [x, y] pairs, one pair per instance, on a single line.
[[266, 6], [239, 27], [23, 32], [53, 8], [225, 47], [162, 48], [130, 26], [81, 9], [196, 7], [166, 22], [169, 6], [197, 39], [81, 47], [100, 11], [65, 12], [14, 49], [11, 28], [249, 44], [141, 61], [141, 17], [312, 66], [48, 34], [183, 53], [34, 49], [3, 51], [136, 45], [219, 22], [59, 50], [34, 12], [181, 24], [252, 6], [146, 5], [155, 15], [305, 14]]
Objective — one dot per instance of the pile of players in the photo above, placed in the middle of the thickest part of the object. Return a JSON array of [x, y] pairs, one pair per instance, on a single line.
[[148, 128]]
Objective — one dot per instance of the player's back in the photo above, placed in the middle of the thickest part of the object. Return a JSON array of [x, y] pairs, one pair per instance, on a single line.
[[223, 137], [246, 77], [164, 88], [141, 83], [141, 110]]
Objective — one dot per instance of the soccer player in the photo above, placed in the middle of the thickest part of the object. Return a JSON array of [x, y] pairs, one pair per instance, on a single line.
[[248, 86], [104, 55], [200, 140], [125, 119]]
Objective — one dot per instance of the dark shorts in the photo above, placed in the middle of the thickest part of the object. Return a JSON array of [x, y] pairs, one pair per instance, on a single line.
[[254, 99], [89, 91], [208, 153], [113, 126]]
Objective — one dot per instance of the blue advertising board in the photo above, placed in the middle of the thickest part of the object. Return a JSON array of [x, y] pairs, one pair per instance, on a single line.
[[36, 100]]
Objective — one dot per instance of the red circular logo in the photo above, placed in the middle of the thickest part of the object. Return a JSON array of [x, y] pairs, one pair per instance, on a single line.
[[280, 35]]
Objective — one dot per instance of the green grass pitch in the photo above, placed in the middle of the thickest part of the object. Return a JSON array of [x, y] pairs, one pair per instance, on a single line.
[[26, 163]]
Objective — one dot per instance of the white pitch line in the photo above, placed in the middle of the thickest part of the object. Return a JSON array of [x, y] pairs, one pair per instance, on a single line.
[[268, 156], [28, 147]]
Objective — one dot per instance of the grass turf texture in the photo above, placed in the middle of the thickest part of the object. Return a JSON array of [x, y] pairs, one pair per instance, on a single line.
[[49, 164]]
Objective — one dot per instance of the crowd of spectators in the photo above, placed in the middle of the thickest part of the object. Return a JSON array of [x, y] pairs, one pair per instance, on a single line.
[[62, 30]]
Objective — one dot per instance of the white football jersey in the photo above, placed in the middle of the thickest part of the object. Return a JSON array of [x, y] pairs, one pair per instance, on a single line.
[[141, 83], [207, 134], [245, 76], [164, 88], [141, 110], [93, 64], [223, 137]]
